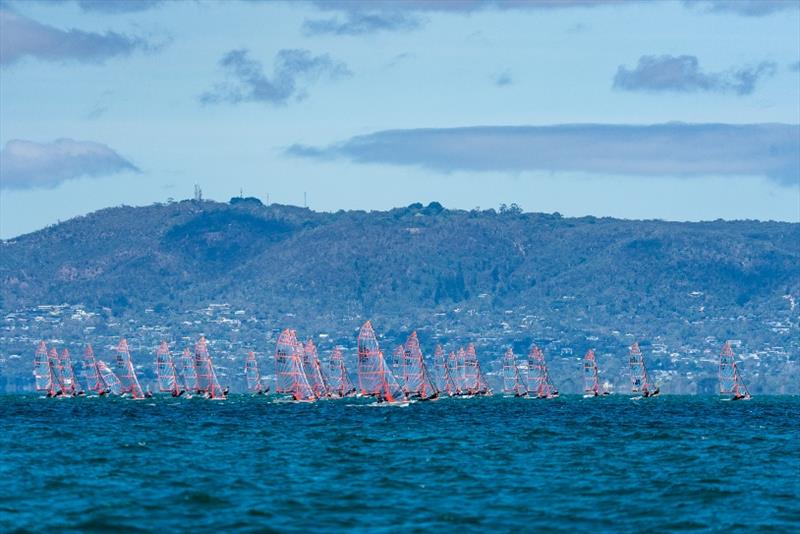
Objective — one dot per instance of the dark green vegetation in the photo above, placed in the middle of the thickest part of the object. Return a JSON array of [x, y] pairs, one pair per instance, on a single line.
[[405, 262]]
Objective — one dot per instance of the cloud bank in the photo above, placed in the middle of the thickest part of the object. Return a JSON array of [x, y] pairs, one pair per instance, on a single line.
[[672, 149], [683, 74], [370, 16], [248, 83], [118, 6], [24, 37], [747, 8], [30, 165], [360, 23]]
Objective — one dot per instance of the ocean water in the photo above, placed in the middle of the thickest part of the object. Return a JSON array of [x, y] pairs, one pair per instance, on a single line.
[[254, 465]]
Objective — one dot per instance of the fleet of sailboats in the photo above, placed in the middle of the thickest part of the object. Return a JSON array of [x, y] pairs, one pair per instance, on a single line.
[[301, 376]]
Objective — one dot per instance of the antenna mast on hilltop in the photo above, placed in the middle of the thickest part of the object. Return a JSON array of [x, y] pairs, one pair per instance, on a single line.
[[198, 193]]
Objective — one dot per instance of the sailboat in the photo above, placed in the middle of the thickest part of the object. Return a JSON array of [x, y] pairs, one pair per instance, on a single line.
[[166, 373], [43, 371], [112, 383], [417, 381], [474, 380], [640, 380], [340, 383], [188, 373], [290, 377], [252, 375], [542, 386], [730, 381], [512, 382], [70, 384], [375, 379], [58, 373], [441, 371], [207, 383], [313, 368], [126, 372], [94, 382], [591, 381]]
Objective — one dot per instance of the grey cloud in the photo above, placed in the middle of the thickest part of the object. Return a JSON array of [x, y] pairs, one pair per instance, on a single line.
[[747, 8], [29, 165], [770, 150], [359, 23], [24, 37], [248, 83], [118, 6], [683, 74]]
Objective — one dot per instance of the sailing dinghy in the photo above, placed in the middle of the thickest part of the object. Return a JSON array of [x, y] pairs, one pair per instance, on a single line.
[[640, 380], [730, 381], [375, 379]]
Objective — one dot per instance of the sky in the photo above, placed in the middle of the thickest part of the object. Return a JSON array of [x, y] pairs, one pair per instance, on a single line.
[[684, 110]]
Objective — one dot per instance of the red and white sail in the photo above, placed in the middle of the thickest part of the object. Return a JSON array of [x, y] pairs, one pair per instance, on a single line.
[[43, 371], [313, 368], [474, 380], [290, 377], [591, 380], [374, 376], [69, 382], [125, 371], [94, 381], [640, 380], [512, 380], [166, 374], [441, 371], [417, 380], [252, 374], [207, 382], [730, 381], [539, 382], [188, 372], [112, 383], [58, 372], [339, 380]]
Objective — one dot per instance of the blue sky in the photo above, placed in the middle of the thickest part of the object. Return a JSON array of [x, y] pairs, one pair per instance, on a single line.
[[671, 110]]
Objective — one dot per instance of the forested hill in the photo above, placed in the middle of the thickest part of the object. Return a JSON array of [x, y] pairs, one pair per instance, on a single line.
[[405, 265]]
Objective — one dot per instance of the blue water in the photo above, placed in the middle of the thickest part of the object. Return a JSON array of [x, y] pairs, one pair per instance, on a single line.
[[252, 465]]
